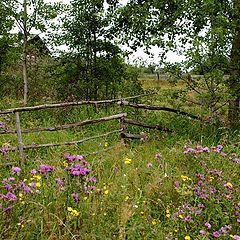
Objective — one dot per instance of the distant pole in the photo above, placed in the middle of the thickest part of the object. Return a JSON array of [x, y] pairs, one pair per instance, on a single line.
[[19, 137]]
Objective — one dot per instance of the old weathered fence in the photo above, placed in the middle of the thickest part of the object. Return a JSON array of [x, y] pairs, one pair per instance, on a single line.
[[121, 116]]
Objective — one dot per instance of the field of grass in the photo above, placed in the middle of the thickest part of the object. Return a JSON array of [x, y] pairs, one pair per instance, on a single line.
[[179, 185]]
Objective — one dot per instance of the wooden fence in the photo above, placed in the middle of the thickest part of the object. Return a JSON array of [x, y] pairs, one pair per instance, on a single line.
[[121, 116]]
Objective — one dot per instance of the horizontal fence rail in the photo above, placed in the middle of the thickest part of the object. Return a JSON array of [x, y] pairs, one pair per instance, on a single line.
[[67, 126], [32, 146], [150, 107], [67, 104]]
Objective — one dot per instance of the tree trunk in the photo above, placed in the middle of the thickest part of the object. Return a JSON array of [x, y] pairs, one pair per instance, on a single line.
[[25, 38], [25, 78], [234, 81]]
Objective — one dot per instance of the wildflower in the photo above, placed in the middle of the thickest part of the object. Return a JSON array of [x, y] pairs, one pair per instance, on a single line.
[[154, 222], [216, 234], [187, 238], [185, 178], [44, 168], [235, 237], [33, 171], [75, 197], [4, 151], [37, 177], [16, 170], [168, 215], [207, 225], [20, 224], [149, 165], [228, 185], [60, 183], [202, 232], [10, 196], [127, 161], [106, 192], [38, 184], [106, 144], [69, 209], [1, 124], [158, 156]]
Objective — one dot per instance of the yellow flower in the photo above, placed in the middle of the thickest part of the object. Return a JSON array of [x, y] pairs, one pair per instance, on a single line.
[[85, 198], [154, 222], [22, 202], [167, 211], [106, 144], [229, 184], [180, 216], [20, 225], [106, 192], [168, 215], [37, 177], [75, 213], [20, 195], [210, 179], [38, 184], [187, 238], [185, 178], [127, 161], [65, 164], [70, 209], [126, 198]]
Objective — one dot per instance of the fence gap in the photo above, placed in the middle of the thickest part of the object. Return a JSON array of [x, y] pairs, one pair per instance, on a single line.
[[19, 137]]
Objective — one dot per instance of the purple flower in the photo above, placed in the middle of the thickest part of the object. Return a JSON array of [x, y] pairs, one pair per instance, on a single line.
[[33, 171], [60, 183], [207, 225], [75, 197], [206, 149], [176, 184], [10, 196], [7, 210], [149, 165], [1, 125], [200, 205], [4, 151], [16, 170], [202, 232], [11, 179], [158, 156], [236, 237], [44, 168], [216, 234], [188, 218]]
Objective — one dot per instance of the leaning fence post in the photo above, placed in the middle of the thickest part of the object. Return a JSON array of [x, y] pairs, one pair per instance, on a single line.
[[19, 137]]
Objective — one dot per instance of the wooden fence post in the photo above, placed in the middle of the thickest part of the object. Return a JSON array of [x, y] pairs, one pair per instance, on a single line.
[[121, 121], [19, 137]]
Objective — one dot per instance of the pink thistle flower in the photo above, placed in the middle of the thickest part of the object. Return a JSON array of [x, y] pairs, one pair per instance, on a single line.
[[44, 168], [16, 170]]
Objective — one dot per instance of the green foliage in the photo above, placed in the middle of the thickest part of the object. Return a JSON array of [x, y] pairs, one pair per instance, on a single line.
[[206, 32]]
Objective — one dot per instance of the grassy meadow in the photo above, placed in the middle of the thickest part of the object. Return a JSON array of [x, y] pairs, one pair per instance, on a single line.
[[179, 185]]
